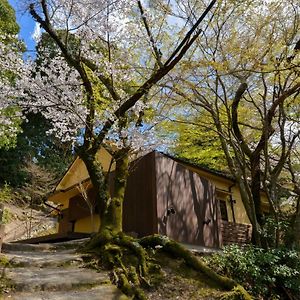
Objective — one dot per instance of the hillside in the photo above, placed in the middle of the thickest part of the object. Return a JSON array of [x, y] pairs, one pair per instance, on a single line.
[[22, 222]]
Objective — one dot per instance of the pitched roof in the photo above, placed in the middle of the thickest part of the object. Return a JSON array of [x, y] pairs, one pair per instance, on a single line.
[[185, 162]]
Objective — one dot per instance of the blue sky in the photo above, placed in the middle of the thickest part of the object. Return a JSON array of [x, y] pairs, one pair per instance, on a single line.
[[26, 25]]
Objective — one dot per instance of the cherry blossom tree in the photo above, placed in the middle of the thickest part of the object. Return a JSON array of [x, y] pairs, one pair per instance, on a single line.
[[112, 55], [102, 86], [10, 61]]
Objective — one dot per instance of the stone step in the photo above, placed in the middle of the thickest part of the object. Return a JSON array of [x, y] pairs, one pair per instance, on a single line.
[[102, 292], [54, 279], [14, 247], [53, 271], [45, 259], [43, 247]]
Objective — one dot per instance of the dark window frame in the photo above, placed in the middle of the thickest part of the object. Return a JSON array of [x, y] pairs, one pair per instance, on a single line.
[[223, 209]]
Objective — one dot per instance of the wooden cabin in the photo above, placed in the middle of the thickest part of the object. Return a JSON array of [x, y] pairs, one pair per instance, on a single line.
[[164, 195]]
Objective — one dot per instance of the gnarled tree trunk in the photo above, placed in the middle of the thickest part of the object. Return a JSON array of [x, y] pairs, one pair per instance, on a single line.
[[112, 217]]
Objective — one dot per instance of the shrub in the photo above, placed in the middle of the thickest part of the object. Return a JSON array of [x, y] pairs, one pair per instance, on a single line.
[[264, 273], [5, 193], [7, 216]]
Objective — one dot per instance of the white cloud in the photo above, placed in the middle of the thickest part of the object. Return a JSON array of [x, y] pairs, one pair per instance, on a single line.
[[36, 35]]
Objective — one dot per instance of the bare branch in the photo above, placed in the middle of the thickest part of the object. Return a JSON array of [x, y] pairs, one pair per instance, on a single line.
[[157, 52]]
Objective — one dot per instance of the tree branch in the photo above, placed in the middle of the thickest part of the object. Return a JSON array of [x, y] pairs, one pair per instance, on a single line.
[[270, 115], [74, 61], [186, 41], [156, 76], [157, 52], [234, 114]]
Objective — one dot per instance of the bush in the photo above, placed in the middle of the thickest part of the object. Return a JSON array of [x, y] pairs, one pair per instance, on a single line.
[[283, 226], [7, 216], [264, 273], [5, 193]]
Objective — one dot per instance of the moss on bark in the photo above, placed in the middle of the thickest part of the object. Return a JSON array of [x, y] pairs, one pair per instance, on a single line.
[[132, 269], [112, 216], [126, 258]]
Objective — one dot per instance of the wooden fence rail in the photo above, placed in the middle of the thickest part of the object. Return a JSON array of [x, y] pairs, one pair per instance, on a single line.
[[235, 233]]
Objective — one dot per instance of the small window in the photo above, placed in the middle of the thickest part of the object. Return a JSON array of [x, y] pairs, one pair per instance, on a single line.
[[223, 209]]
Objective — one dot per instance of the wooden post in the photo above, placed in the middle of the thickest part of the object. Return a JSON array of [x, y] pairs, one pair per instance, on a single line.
[[1, 225]]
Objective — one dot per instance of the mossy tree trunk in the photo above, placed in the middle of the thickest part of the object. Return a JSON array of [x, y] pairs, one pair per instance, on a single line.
[[97, 176], [110, 206], [112, 217], [179, 251]]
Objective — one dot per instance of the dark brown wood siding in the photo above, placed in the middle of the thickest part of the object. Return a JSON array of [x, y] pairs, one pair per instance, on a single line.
[[65, 225], [139, 213], [187, 209]]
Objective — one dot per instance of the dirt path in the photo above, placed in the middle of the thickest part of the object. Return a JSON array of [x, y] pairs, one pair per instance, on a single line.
[[48, 272]]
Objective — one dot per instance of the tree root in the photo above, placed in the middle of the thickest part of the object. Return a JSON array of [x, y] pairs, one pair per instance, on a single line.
[[128, 261], [131, 266], [191, 260]]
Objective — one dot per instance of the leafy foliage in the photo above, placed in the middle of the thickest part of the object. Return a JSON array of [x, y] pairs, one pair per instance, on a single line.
[[195, 143], [8, 24], [282, 225], [243, 85], [5, 193], [7, 216], [265, 273], [34, 145]]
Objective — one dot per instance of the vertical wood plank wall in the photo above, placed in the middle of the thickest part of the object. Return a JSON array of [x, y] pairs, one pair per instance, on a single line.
[[193, 200], [139, 214]]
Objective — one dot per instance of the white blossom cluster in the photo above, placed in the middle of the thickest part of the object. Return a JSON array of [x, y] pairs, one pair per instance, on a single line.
[[140, 138], [114, 24], [112, 36], [137, 139], [90, 17], [54, 90], [11, 66]]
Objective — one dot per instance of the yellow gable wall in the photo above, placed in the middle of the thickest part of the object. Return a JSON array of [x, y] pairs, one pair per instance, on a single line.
[[63, 197], [85, 225], [222, 187], [68, 188], [78, 172], [238, 206]]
